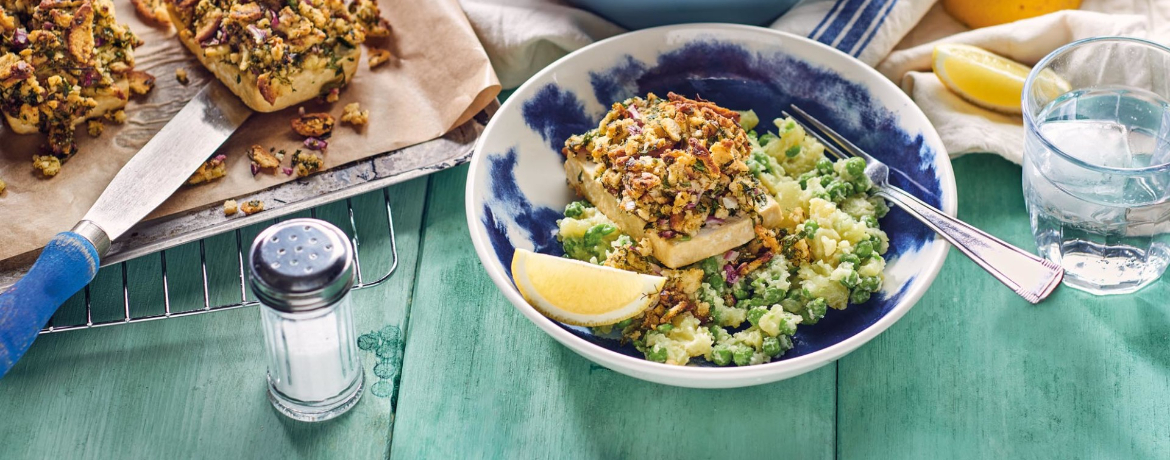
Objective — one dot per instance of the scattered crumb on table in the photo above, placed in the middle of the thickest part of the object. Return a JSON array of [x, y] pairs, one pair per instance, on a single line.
[[333, 95], [95, 127], [230, 207], [208, 171], [3, 186], [181, 76], [252, 207], [354, 115], [378, 57], [47, 164]]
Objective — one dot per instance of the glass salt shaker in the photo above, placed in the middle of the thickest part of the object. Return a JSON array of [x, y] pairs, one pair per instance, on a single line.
[[302, 271]]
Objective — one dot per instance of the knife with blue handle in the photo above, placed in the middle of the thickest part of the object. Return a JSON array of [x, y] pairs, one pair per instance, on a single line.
[[71, 259]]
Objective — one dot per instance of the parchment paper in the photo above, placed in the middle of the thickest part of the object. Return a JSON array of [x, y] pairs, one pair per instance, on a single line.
[[439, 78]]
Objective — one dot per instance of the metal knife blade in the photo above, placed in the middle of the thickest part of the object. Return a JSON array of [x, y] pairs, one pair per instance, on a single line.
[[165, 163]]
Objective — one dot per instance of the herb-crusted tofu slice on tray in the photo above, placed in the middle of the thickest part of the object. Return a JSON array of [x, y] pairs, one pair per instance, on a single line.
[[63, 62], [274, 54]]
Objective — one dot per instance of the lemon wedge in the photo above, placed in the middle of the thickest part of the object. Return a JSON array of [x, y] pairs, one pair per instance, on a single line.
[[989, 80], [580, 293]]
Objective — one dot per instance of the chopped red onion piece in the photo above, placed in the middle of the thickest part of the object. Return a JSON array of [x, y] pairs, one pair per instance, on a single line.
[[19, 40], [258, 35], [255, 169], [714, 220], [220, 157], [313, 143], [287, 171], [668, 234], [730, 255], [730, 273]]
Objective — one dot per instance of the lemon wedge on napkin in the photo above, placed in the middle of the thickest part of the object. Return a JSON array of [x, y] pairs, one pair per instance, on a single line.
[[580, 293], [989, 80]]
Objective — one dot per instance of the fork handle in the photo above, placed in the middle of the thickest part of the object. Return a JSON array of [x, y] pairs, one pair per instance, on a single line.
[[1032, 277]]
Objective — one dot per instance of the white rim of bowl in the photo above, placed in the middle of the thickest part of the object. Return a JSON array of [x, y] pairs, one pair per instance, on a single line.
[[760, 373]]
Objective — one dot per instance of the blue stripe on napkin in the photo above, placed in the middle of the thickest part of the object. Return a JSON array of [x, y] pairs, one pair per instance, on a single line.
[[873, 30], [851, 24]]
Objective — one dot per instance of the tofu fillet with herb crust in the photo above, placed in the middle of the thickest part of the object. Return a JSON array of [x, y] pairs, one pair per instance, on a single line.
[[63, 62], [275, 54], [672, 171]]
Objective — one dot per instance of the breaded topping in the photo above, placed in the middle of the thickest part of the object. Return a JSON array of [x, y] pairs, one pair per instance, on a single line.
[[59, 60], [275, 40], [676, 162]]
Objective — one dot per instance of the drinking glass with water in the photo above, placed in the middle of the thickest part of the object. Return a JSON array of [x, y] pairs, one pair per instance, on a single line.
[[1097, 162]]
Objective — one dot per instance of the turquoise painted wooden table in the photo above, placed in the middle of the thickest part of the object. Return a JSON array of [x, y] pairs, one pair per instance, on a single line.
[[971, 372]]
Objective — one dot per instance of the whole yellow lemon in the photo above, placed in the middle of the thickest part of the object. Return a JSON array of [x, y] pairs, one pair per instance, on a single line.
[[983, 13]]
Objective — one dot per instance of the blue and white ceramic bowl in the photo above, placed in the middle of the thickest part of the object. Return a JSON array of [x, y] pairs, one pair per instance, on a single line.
[[516, 187]]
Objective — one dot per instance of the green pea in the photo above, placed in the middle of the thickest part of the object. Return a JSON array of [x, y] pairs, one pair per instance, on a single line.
[[754, 315], [859, 296], [810, 228], [850, 281], [864, 249], [740, 293], [814, 311], [597, 232], [792, 152], [771, 346], [768, 138], [851, 258], [657, 354], [824, 166], [871, 283], [742, 356], [773, 296], [624, 323], [804, 179], [664, 328], [881, 208], [721, 355], [855, 167], [870, 221], [575, 209], [825, 181], [791, 305]]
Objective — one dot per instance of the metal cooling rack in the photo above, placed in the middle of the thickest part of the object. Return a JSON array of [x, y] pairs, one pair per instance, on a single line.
[[244, 300]]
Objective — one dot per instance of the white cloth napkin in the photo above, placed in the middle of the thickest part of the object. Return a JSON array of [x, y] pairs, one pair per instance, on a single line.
[[895, 36]]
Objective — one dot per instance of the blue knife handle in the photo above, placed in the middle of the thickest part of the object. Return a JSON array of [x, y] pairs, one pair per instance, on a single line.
[[66, 265]]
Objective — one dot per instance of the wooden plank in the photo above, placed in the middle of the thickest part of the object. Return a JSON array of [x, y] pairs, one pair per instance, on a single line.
[[975, 372], [195, 386], [480, 381]]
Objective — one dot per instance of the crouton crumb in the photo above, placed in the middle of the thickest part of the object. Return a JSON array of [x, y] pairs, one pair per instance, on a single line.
[[118, 116], [305, 163], [263, 159], [181, 76], [313, 124], [230, 207], [354, 115], [333, 95], [47, 164], [95, 127], [140, 82], [378, 57], [208, 171], [251, 207], [3, 186]]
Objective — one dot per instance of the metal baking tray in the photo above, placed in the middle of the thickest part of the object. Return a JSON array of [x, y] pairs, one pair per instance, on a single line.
[[339, 183]]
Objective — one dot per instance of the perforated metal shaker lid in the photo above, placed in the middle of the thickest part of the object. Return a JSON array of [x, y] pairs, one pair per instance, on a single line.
[[301, 265]]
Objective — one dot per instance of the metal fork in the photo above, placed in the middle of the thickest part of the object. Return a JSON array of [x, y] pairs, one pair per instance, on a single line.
[[1032, 277]]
